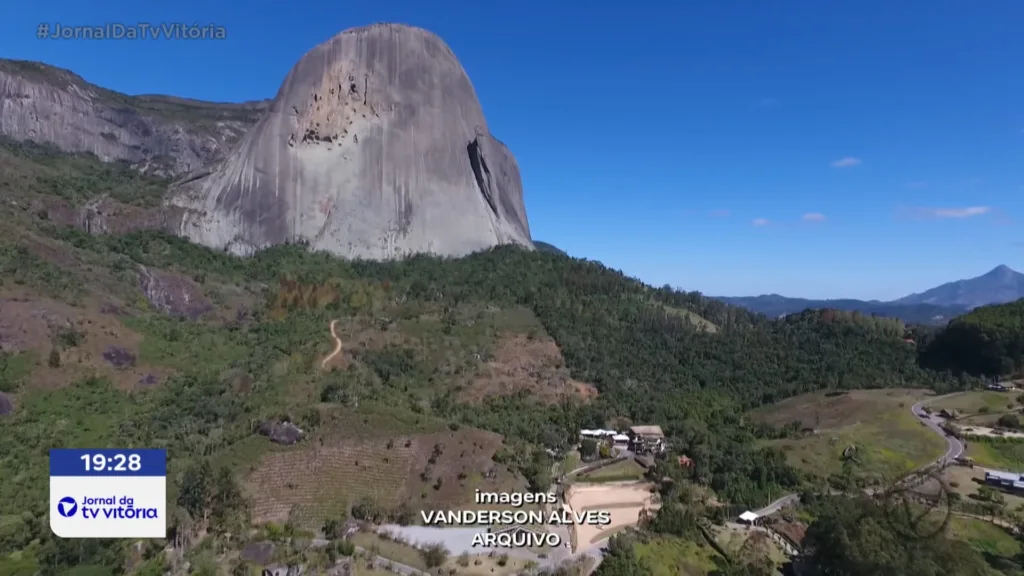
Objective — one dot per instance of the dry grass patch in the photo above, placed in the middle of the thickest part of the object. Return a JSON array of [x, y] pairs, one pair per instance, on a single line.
[[325, 475], [68, 343], [521, 363]]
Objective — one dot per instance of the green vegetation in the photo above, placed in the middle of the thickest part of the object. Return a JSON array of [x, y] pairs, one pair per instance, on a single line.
[[860, 536], [988, 341], [985, 537], [998, 453], [669, 556]]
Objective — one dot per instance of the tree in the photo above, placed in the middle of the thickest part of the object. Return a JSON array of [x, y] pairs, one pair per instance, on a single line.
[[195, 489], [621, 559], [1009, 421], [588, 449]]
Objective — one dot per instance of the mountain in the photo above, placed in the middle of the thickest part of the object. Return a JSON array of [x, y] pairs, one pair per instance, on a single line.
[[998, 286], [161, 135], [375, 147], [549, 248], [775, 306], [936, 306]]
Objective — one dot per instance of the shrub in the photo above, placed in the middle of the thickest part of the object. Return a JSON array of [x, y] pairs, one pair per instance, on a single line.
[[435, 555]]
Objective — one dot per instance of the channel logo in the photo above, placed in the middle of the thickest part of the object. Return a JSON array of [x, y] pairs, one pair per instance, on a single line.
[[106, 508], [67, 507]]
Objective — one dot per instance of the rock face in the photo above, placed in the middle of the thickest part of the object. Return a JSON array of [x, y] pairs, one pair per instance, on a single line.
[[158, 134], [173, 293], [374, 147]]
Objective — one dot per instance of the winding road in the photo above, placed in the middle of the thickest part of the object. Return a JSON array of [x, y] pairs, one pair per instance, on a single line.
[[954, 448], [337, 346]]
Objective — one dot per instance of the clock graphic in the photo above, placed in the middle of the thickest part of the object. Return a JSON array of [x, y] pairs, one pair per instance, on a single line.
[[108, 492]]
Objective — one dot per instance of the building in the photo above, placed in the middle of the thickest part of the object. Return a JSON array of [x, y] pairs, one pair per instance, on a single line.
[[646, 440], [598, 434], [998, 387], [620, 440], [1010, 481], [685, 461], [749, 518]]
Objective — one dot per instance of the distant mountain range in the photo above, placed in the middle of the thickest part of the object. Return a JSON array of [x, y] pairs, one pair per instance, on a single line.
[[936, 306]]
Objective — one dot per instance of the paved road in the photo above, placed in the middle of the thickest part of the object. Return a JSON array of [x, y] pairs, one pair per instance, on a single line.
[[778, 504], [954, 447]]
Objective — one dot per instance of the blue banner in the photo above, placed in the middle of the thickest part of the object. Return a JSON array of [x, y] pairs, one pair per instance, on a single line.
[[108, 462]]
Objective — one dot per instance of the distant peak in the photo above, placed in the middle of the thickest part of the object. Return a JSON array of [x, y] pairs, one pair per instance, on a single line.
[[1001, 270]]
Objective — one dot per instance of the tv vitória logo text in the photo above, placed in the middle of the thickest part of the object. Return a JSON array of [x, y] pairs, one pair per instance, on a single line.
[[109, 508]]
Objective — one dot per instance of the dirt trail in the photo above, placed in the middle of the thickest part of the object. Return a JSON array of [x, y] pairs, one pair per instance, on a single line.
[[337, 346]]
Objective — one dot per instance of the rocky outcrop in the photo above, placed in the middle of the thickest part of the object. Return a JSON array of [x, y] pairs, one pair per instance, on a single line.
[[282, 432], [374, 147], [158, 134], [173, 293]]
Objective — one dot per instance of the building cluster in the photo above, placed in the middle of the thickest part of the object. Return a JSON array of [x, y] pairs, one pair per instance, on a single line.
[[639, 439], [647, 440]]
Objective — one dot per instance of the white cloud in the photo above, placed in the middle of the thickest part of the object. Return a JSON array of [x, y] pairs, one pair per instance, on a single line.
[[965, 212], [761, 222], [846, 162], [959, 212], [814, 217]]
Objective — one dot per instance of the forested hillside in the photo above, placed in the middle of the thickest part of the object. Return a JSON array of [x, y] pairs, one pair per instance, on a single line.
[[988, 341], [144, 339]]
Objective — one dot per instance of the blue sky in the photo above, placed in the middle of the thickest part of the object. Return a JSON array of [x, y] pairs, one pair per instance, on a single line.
[[828, 149]]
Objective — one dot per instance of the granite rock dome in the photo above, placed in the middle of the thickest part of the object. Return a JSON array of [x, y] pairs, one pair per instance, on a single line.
[[375, 147]]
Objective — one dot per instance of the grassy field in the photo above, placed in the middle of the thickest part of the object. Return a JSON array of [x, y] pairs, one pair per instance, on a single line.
[[1007, 456], [669, 556], [618, 472], [980, 407], [889, 440], [389, 549], [984, 536]]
